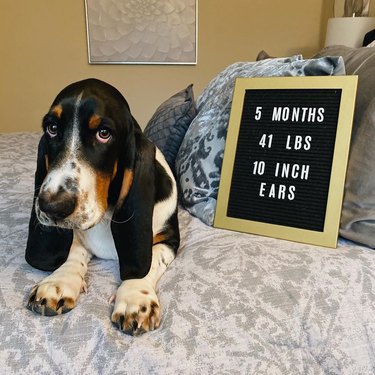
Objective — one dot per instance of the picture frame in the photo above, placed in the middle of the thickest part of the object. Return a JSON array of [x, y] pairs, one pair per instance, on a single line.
[[284, 177], [138, 32]]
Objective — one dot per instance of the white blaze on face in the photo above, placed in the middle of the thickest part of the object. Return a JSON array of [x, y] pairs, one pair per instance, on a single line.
[[74, 175]]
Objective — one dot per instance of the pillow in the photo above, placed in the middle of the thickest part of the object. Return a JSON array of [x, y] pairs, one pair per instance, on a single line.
[[168, 125], [263, 55], [358, 212], [200, 157]]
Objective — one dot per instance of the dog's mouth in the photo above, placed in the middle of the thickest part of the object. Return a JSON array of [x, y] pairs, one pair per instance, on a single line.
[[80, 218], [70, 200]]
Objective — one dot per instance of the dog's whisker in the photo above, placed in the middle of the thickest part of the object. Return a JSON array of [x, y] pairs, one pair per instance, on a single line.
[[124, 221]]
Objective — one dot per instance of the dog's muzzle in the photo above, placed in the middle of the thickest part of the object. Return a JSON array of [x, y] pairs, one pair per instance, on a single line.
[[57, 206]]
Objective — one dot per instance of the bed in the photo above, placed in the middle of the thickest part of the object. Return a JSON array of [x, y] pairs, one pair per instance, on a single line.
[[231, 303]]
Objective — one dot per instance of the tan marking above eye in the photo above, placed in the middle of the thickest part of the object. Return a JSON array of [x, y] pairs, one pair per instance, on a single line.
[[57, 110], [94, 121]]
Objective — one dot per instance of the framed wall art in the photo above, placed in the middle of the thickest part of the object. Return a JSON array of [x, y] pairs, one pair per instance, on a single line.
[[142, 31]]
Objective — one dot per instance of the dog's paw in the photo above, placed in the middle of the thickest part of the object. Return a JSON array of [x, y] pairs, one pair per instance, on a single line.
[[136, 308], [51, 297]]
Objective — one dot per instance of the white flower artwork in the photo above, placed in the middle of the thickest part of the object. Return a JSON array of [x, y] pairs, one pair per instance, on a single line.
[[142, 31]]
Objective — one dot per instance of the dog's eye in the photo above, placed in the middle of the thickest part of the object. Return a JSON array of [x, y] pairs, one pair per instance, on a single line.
[[52, 130], [103, 135]]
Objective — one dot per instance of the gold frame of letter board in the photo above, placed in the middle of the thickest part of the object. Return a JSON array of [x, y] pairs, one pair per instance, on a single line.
[[348, 85]]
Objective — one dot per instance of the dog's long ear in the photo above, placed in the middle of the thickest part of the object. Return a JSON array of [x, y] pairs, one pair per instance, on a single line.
[[47, 247], [132, 220]]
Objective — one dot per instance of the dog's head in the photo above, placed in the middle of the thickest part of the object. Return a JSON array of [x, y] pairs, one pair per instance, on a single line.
[[89, 149]]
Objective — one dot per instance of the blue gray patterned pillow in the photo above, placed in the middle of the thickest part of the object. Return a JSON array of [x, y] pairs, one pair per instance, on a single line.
[[199, 160], [168, 125]]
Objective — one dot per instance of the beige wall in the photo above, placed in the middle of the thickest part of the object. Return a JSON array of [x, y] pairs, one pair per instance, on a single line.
[[43, 48]]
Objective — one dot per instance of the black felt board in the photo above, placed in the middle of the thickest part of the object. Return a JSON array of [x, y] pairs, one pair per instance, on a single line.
[[283, 160]]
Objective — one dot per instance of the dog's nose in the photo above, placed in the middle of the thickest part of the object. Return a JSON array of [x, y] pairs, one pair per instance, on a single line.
[[57, 206]]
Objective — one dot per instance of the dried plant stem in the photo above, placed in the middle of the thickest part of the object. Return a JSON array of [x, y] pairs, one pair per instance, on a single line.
[[353, 8]]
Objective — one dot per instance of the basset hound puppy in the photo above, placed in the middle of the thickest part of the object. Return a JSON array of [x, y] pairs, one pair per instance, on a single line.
[[101, 189]]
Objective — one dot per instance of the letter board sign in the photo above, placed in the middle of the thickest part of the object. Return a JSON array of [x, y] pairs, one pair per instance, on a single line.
[[285, 158]]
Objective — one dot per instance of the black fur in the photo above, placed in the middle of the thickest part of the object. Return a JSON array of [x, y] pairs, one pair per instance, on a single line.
[[134, 216], [164, 183], [39, 252]]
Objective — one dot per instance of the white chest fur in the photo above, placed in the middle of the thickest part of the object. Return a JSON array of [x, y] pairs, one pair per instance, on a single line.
[[98, 240]]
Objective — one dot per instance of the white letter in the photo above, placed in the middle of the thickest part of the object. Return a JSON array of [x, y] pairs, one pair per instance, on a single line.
[[262, 188], [271, 194], [295, 170], [277, 169], [281, 194], [304, 110], [288, 143], [258, 113], [286, 112], [276, 115], [311, 115], [320, 114], [298, 142], [307, 144], [295, 114], [285, 170], [305, 172], [291, 192]]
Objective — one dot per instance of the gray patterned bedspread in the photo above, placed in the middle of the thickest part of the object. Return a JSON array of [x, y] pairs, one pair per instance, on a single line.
[[231, 303]]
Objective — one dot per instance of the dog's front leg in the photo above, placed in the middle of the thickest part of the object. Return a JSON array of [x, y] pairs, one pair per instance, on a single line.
[[58, 293], [136, 307]]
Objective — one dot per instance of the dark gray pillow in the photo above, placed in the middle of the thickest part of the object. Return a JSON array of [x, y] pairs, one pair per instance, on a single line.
[[358, 213], [168, 125]]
